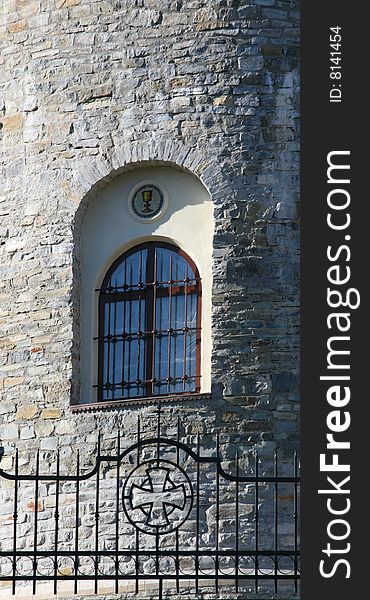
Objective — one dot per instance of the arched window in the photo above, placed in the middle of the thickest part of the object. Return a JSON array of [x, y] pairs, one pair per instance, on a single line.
[[106, 343], [149, 324]]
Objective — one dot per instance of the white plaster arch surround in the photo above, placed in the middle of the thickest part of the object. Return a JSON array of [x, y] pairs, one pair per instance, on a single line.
[[108, 229]]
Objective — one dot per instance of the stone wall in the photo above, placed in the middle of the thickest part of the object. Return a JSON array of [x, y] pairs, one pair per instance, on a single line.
[[89, 88]]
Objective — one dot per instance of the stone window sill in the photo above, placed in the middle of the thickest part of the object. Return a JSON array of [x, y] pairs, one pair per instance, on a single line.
[[112, 404]]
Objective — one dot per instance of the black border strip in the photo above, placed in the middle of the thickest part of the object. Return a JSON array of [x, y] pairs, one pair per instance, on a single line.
[[333, 126]]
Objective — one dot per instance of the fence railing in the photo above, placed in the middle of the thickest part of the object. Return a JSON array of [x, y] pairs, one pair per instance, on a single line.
[[159, 511]]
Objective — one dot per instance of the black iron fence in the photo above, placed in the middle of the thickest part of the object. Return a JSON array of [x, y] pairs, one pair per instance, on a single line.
[[159, 511]]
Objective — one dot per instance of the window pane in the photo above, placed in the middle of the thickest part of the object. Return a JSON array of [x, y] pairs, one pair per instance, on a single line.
[[124, 349], [129, 273], [171, 265], [161, 345], [192, 301], [175, 353]]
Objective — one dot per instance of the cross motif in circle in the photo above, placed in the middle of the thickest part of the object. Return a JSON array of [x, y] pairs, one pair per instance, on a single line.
[[158, 496]]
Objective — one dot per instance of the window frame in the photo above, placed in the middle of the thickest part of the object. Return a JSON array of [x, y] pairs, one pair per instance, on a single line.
[[149, 293]]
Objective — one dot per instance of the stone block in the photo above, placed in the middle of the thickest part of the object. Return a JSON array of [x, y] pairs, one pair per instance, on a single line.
[[27, 411], [17, 26], [49, 443], [51, 413], [12, 122], [9, 431], [27, 433]]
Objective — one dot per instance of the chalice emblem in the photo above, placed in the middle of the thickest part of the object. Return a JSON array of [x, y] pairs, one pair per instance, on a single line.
[[147, 202]]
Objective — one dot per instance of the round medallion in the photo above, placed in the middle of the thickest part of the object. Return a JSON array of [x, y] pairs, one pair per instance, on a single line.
[[157, 497], [147, 201]]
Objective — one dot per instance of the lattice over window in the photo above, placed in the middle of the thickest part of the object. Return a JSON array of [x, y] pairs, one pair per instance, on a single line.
[[149, 324]]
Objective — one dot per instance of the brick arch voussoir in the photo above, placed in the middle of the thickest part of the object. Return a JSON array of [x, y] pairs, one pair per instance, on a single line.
[[91, 176]]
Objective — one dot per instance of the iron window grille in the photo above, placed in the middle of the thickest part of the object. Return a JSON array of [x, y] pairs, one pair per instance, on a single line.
[[149, 324]]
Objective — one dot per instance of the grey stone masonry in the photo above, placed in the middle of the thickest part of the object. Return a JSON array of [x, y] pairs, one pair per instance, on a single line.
[[91, 88]]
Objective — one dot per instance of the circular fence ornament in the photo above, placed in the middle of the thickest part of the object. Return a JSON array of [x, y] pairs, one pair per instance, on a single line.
[[157, 497]]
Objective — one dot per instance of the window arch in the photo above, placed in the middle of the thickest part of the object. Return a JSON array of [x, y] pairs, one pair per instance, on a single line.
[[149, 324]]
